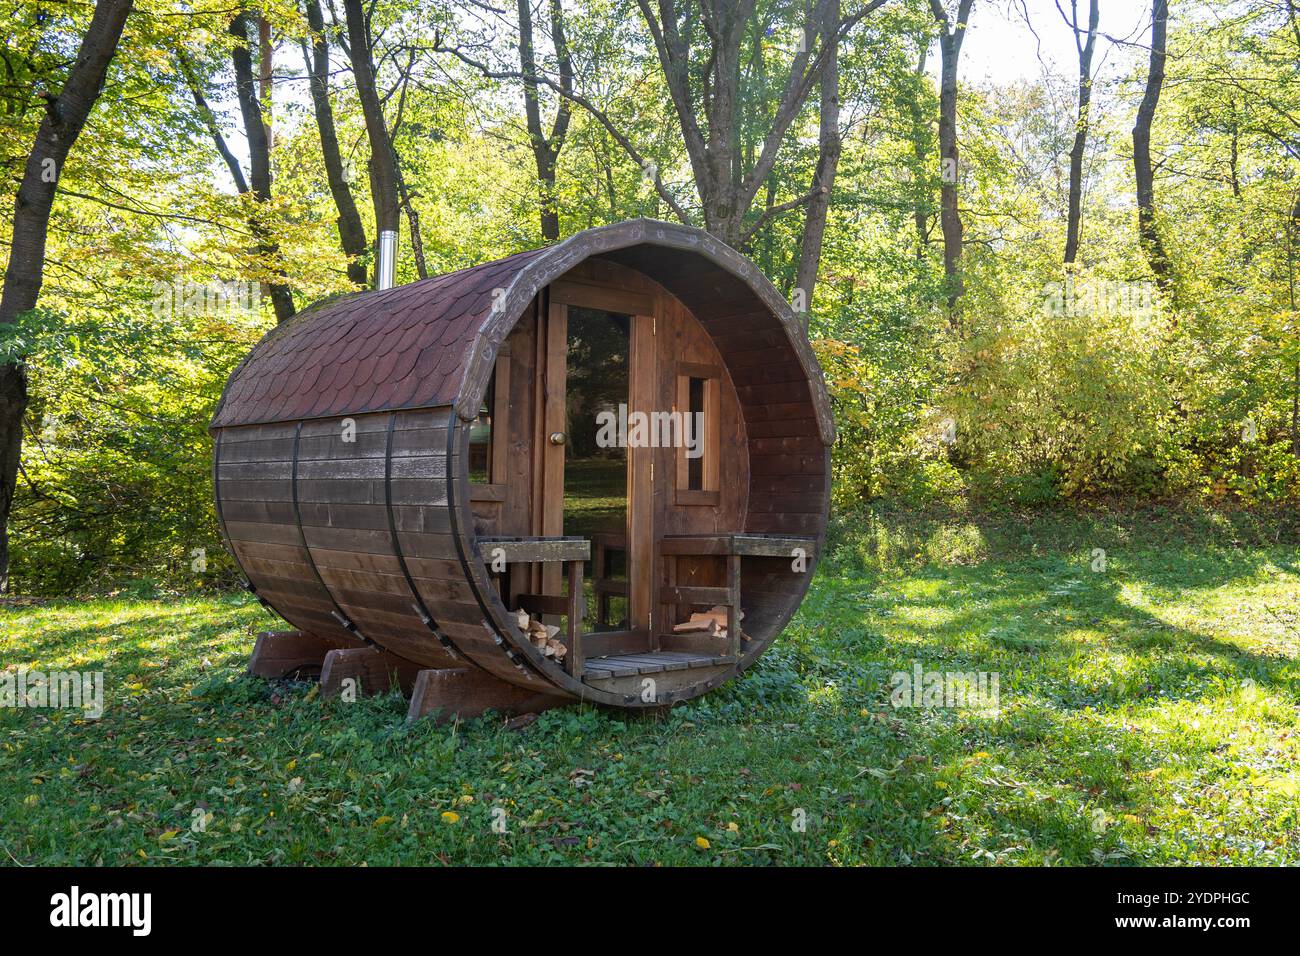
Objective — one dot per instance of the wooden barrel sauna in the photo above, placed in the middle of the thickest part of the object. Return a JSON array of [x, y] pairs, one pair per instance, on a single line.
[[390, 467]]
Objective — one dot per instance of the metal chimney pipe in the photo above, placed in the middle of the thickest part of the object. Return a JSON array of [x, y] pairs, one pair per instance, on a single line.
[[386, 266]]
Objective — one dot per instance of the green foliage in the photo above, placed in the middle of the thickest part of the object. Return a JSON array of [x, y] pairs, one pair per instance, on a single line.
[[116, 479], [1054, 382], [1057, 400]]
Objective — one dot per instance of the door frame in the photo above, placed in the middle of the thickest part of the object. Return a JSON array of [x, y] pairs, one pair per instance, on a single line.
[[552, 365]]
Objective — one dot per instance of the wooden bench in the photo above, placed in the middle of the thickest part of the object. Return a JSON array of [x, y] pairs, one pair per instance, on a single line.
[[572, 552], [732, 547]]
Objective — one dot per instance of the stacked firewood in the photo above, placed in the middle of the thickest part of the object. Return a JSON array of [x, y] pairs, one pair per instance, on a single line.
[[542, 636], [710, 623]]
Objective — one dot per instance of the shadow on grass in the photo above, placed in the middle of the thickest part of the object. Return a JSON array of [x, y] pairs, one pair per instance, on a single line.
[[1032, 613], [1103, 683], [890, 537]]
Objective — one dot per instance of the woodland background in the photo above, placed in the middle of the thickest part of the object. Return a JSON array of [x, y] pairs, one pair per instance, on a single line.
[[1073, 287]]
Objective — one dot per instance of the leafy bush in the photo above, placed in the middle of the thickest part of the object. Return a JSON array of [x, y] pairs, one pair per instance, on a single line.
[[116, 476]]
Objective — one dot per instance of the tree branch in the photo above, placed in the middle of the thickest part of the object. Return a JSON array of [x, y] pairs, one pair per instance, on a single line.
[[598, 114]]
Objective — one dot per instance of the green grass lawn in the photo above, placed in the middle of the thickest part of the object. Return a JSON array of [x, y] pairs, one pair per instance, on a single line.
[[1148, 715]]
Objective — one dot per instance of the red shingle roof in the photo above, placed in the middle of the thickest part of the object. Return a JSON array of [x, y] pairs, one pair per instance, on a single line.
[[404, 347], [433, 342]]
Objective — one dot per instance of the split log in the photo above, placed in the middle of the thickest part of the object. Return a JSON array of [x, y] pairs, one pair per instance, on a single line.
[[712, 622]]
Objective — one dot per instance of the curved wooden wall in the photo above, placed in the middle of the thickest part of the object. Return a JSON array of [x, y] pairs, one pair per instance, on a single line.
[[356, 539]]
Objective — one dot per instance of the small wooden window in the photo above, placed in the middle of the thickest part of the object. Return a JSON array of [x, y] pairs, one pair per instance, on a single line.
[[699, 402], [480, 440], [487, 436]]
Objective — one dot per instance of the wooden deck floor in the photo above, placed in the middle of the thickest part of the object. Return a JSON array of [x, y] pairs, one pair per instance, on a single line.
[[656, 662]]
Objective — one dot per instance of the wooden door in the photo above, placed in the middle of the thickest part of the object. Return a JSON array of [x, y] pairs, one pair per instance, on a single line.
[[550, 438], [640, 479], [552, 367]]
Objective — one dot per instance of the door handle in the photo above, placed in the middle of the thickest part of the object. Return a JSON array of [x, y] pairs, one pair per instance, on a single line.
[[557, 438]]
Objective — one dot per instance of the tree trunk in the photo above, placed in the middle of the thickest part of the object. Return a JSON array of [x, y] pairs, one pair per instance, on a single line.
[[722, 206], [1075, 214], [65, 116], [828, 160], [1293, 229], [1148, 233], [950, 42], [267, 249], [707, 99], [404, 196], [13, 403], [383, 162], [705, 96], [921, 204], [546, 149], [264, 73], [1295, 409], [413, 222], [352, 234], [210, 121], [259, 162]]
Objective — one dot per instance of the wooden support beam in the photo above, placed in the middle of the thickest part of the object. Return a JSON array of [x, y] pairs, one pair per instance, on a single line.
[[469, 692], [733, 605], [598, 557], [374, 671], [577, 603], [280, 654], [668, 609]]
